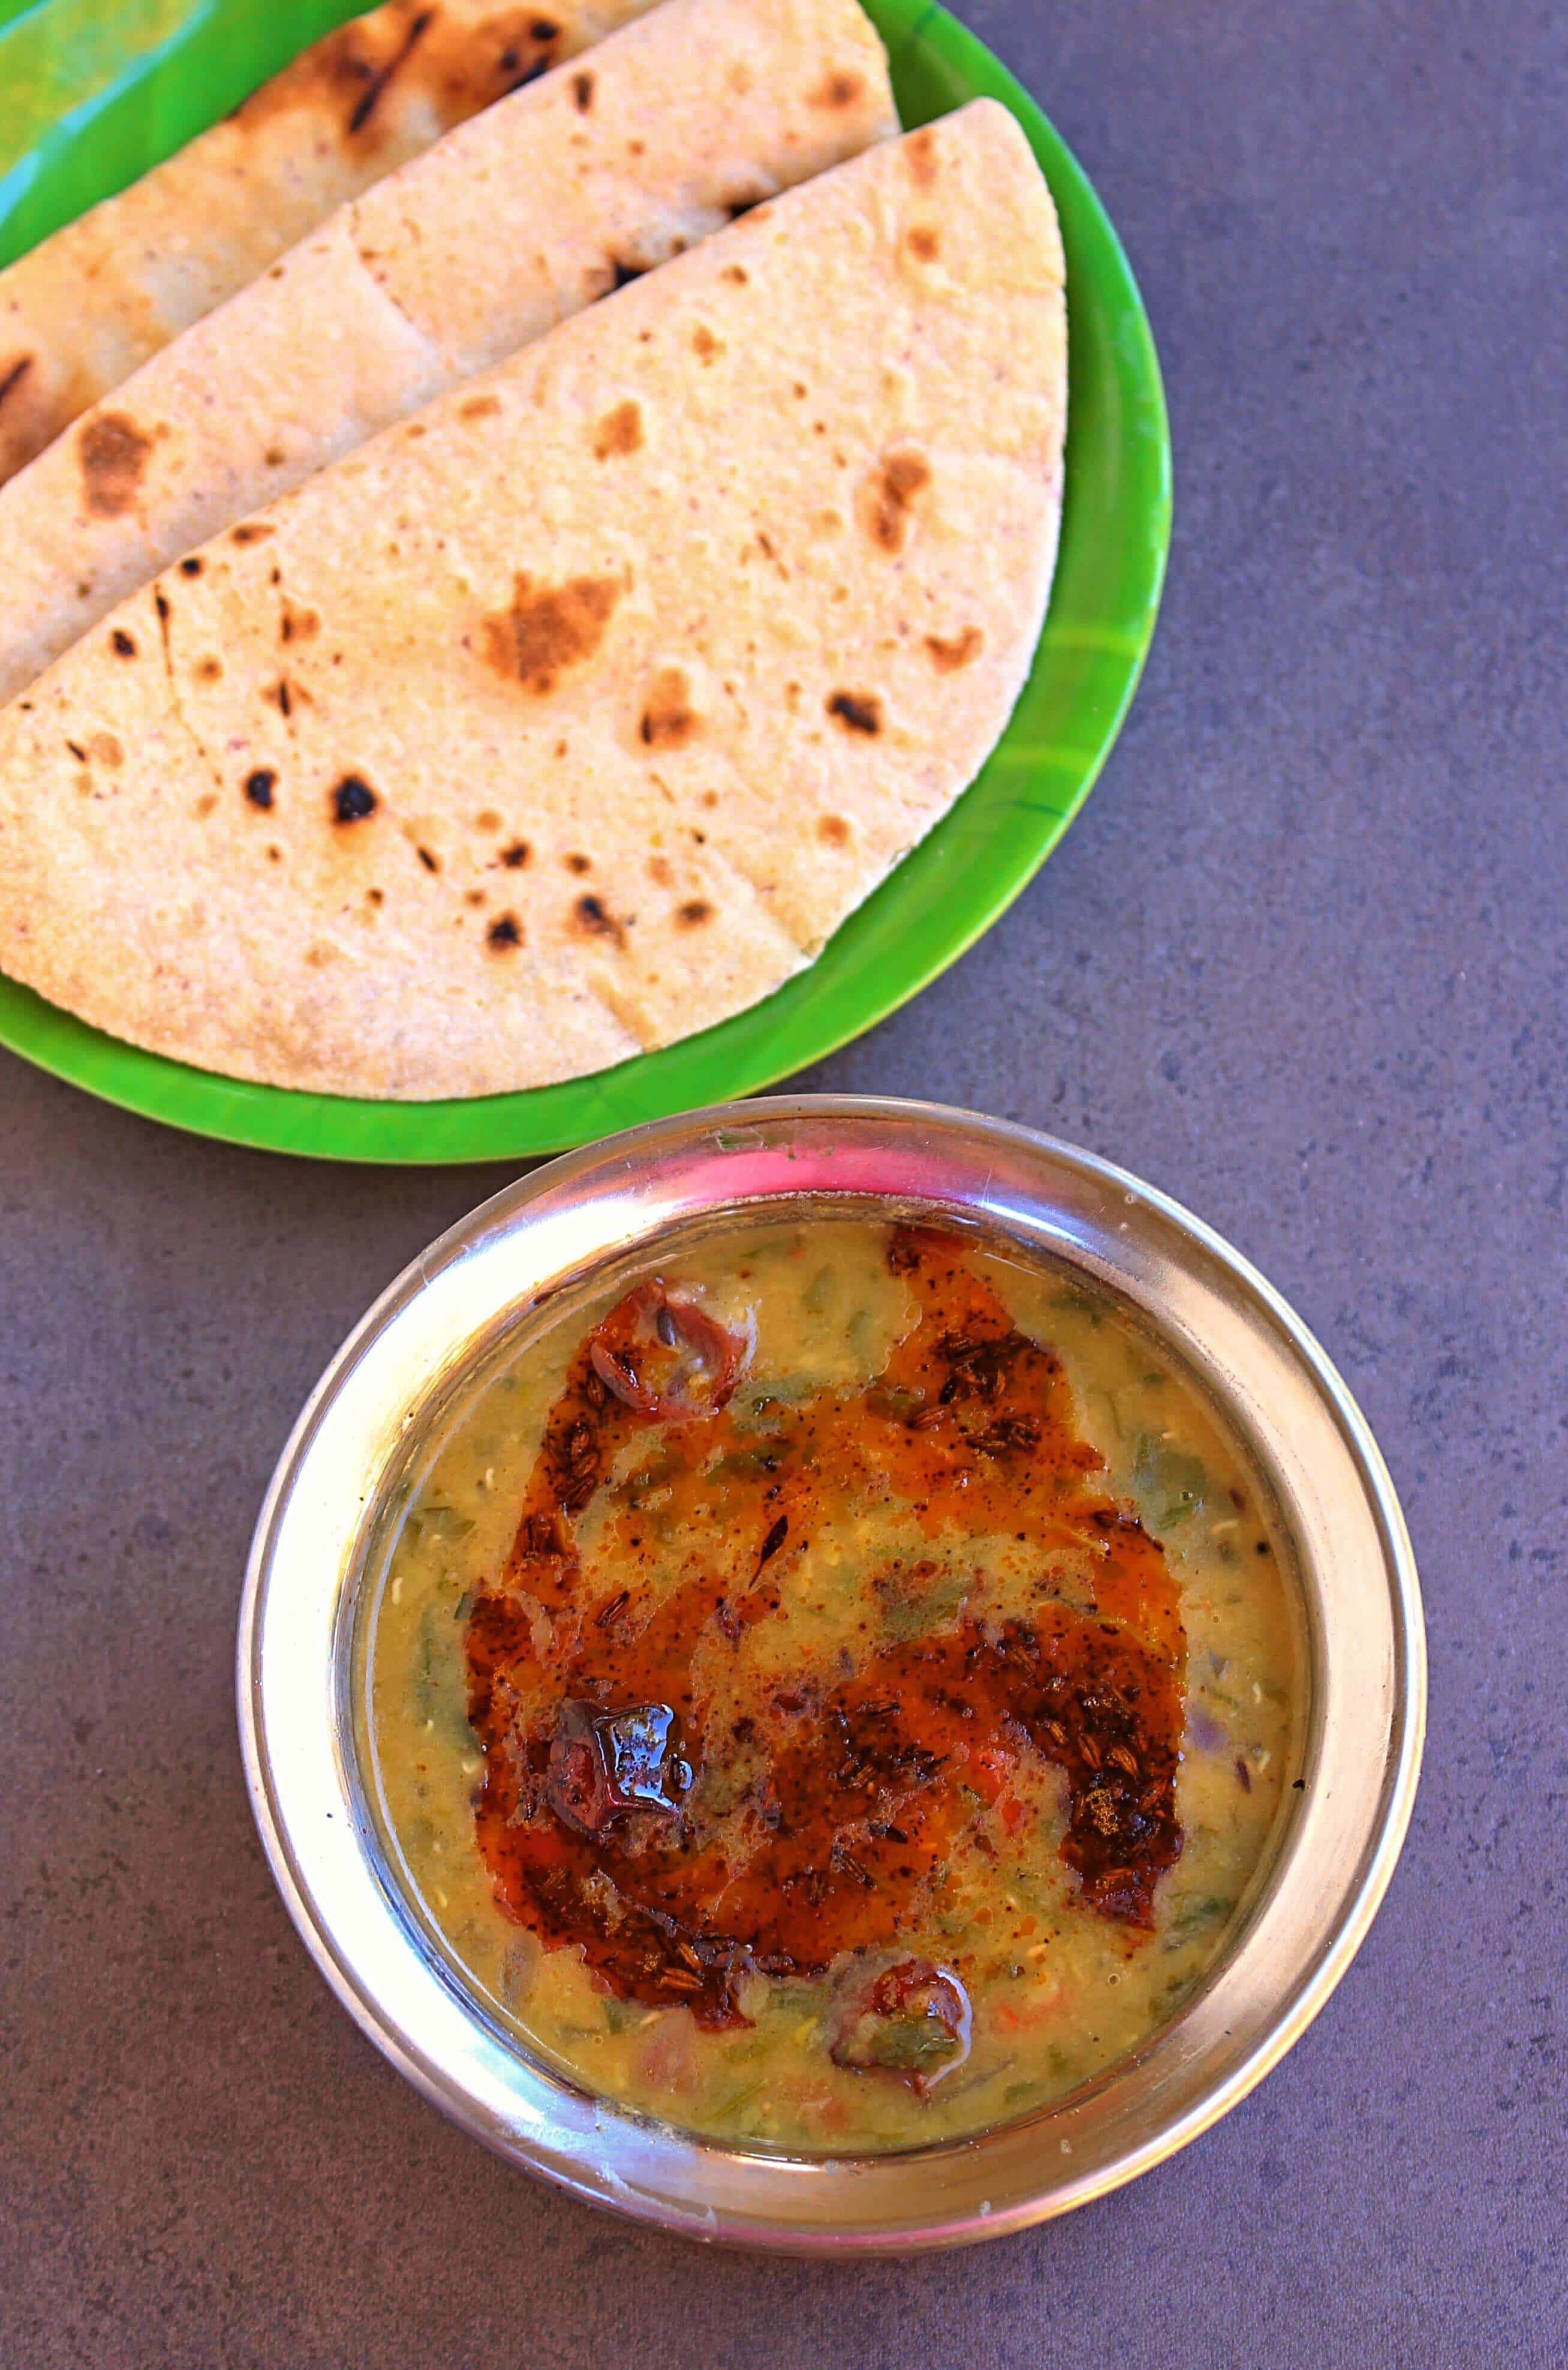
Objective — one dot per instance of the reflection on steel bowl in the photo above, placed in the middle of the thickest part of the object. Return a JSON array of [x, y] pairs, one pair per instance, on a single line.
[[833, 1674]]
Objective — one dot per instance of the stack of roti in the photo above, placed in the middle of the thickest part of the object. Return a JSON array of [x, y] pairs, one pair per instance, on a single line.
[[549, 199], [575, 712], [80, 312]]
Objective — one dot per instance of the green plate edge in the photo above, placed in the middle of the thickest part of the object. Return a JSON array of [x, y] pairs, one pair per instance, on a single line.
[[92, 118]]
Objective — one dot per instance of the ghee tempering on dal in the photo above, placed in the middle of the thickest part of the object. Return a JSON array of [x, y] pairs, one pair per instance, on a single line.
[[840, 1692]]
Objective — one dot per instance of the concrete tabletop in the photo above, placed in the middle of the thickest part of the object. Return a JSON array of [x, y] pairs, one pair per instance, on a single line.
[[1304, 963]]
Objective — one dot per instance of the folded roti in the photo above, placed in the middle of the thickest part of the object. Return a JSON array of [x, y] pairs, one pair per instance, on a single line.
[[520, 217], [575, 714], [84, 308]]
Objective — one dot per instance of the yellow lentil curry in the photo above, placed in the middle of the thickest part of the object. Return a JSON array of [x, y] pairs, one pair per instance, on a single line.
[[837, 1693]]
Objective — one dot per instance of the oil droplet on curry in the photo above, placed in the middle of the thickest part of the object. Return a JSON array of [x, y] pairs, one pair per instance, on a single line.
[[837, 1693]]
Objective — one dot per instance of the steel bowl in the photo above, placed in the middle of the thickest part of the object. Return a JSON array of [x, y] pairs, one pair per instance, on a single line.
[[582, 1218]]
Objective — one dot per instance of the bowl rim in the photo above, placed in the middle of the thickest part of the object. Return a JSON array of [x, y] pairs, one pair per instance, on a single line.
[[589, 1208]]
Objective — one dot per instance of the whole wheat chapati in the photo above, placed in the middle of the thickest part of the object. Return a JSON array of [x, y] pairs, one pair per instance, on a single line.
[[515, 220], [85, 308], [576, 713]]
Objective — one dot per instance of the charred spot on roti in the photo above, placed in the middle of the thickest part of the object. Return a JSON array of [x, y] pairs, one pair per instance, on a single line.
[[336, 67], [14, 373], [920, 156], [487, 819], [736, 272], [550, 627], [377, 83], [837, 90], [693, 912], [429, 859], [208, 669], [78, 752], [669, 721], [251, 531], [259, 786], [504, 932], [620, 431], [479, 406], [205, 804], [857, 711], [526, 50], [594, 918], [578, 864], [924, 243], [474, 897], [455, 66], [947, 656], [192, 567], [297, 623], [280, 695], [353, 800], [833, 828], [888, 497], [582, 92], [113, 453], [705, 345], [121, 643], [515, 856], [274, 456]]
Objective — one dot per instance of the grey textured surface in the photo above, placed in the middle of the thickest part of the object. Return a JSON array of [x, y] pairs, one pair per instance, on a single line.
[[1304, 962]]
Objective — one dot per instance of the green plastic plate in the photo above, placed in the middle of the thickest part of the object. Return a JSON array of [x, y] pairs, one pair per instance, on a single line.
[[91, 97]]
